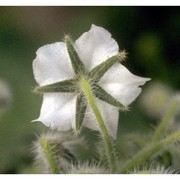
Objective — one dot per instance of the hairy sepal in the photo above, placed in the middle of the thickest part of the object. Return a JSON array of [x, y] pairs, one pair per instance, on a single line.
[[62, 86], [101, 69], [78, 66], [103, 95], [81, 105]]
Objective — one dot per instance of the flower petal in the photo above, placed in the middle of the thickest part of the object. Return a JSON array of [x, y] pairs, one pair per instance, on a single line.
[[58, 110], [96, 46], [122, 84], [52, 64], [109, 114]]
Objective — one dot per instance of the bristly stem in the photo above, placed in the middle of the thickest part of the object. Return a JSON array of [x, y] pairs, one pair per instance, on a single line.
[[165, 120], [148, 151], [49, 155], [109, 147]]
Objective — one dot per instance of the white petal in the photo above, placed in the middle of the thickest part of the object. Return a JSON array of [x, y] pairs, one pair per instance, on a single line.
[[52, 64], [122, 84], [58, 110], [96, 46], [109, 114]]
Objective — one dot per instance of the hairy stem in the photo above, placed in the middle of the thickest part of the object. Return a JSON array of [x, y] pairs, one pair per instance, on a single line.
[[148, 151], [109, 147], [166, 118], [49, 155]]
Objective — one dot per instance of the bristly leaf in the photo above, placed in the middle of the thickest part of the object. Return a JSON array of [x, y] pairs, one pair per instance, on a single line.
[[62, 86], [78, 66], [103, 95], [100, 70], [81, 106]]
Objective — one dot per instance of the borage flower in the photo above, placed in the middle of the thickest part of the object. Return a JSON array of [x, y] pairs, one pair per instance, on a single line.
[[64, 69]]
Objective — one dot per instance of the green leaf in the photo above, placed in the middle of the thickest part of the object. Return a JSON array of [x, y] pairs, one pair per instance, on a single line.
[[103, 95], [100, 70], [62, 86], [81, 105], [78, 66]]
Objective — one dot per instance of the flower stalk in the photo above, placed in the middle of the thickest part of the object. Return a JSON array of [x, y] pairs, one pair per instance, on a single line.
[[109, 147]]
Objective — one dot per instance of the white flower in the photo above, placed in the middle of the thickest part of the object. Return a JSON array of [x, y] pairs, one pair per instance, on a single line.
[[111, 81]]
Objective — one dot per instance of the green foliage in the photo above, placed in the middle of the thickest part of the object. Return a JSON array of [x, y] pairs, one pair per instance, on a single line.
[[148, 156]]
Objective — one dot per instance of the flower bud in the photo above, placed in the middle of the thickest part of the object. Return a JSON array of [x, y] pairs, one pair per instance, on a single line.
[[53, 152], [87, 168]]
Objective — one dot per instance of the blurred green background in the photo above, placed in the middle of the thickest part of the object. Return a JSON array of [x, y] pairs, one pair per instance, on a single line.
[[150, 35]]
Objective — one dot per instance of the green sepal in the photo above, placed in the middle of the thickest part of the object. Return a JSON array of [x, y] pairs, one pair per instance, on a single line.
[[78, 66], [62, 86], [81, 105], [100, 70], [103, 95]]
